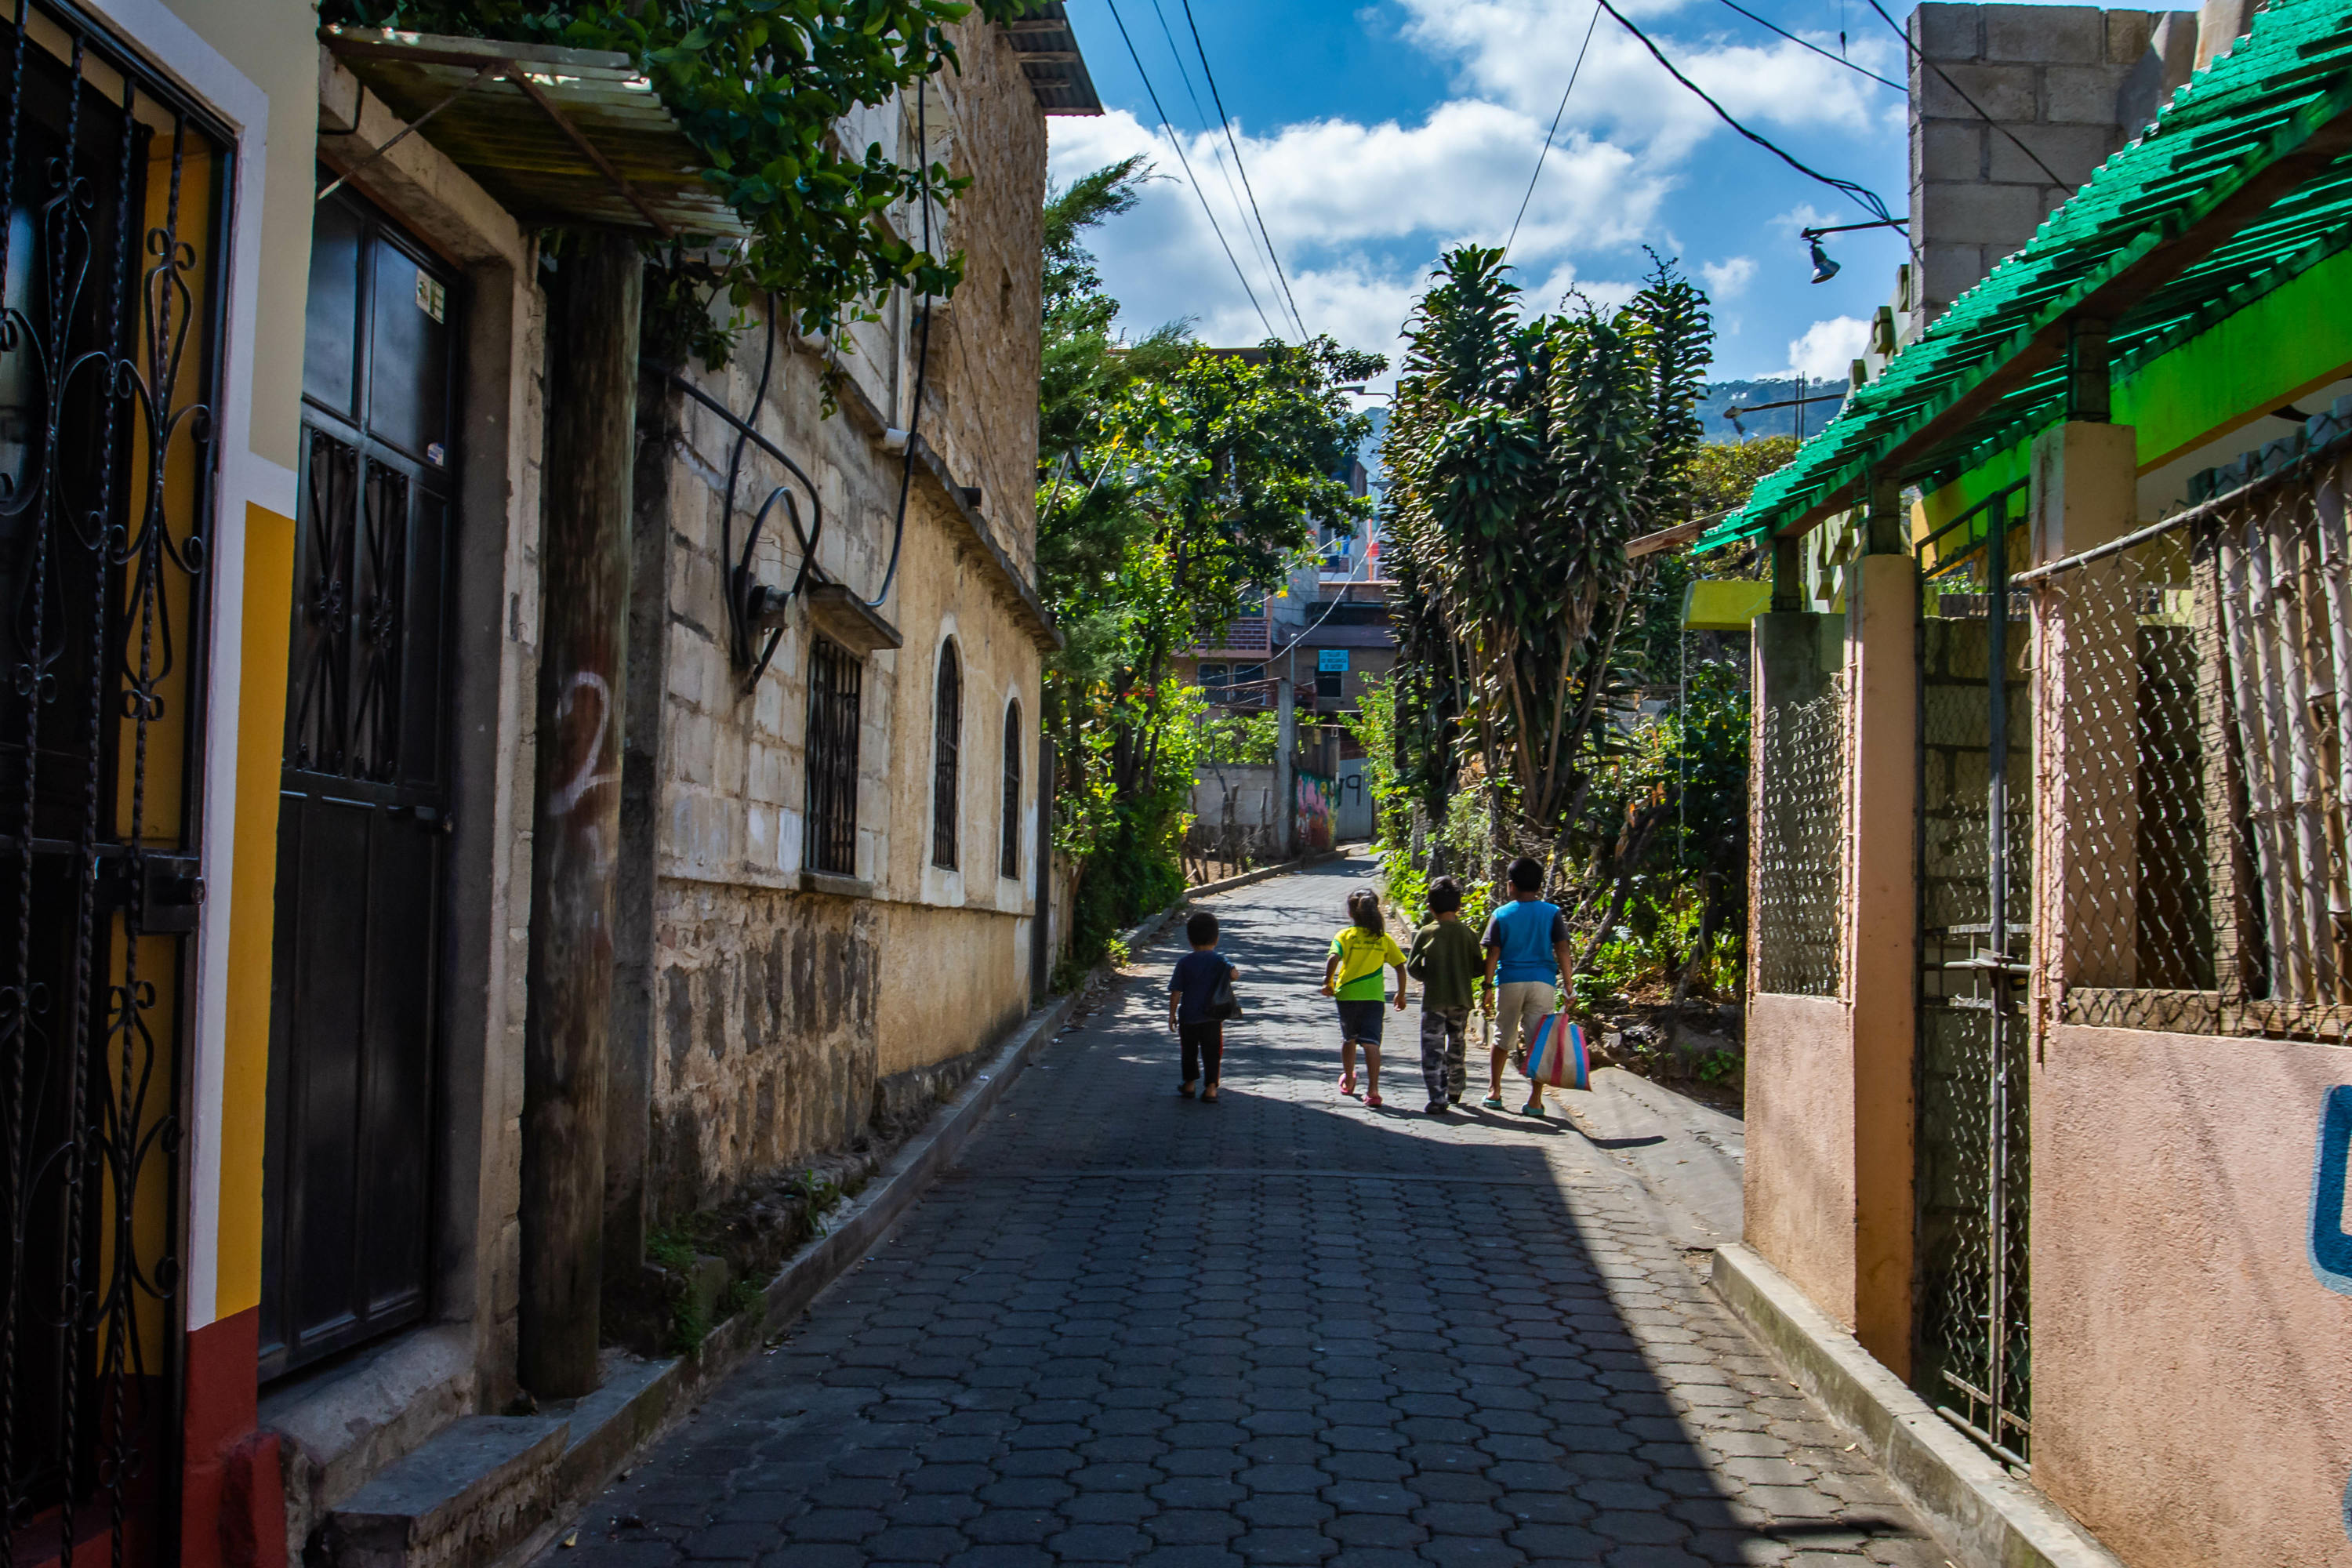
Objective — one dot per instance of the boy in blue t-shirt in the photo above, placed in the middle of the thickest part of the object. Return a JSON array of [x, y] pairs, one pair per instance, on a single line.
[[1528, 950], [1202, 1037]]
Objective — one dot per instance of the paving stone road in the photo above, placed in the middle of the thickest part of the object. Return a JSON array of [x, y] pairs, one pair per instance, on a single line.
[[1283, 1328]]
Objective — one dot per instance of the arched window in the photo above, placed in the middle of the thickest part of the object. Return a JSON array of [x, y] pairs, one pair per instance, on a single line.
[[947, 730], [1008, 856]]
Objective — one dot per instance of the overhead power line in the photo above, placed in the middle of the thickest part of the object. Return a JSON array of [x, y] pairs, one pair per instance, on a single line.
[[1574, 71], [1168, 127], [1227, 121], [1261, 250], [1838, 59], [1863, 196]]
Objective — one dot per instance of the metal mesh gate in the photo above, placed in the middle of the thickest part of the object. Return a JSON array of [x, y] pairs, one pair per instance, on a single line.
[[1973, 1171], [1800, 845]]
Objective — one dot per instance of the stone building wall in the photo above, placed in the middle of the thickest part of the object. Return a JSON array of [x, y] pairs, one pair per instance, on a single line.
[[2066, 85], [767, 1016]]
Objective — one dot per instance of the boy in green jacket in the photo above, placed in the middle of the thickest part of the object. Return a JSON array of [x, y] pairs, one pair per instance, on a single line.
[[1448, 961]]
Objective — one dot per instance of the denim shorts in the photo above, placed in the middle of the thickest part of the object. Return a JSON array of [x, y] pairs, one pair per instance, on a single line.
[[1361, 1020]]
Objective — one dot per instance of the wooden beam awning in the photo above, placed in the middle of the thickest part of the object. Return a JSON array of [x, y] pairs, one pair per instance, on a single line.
[[559, 136]]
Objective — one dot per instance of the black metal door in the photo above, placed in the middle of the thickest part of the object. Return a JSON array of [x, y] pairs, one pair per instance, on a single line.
[[111, 234], [1972, 1354], [363, 810]]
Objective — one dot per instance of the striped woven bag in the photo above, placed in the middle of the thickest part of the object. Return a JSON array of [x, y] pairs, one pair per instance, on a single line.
[[1558, 1056]]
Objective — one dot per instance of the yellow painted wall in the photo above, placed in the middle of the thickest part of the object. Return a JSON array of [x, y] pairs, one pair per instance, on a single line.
[[261, 722], [275, 42]]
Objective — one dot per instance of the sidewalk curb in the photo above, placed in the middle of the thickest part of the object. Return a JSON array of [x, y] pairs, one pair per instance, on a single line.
[[1973, 1506], [646, 1404], [1228, 883]]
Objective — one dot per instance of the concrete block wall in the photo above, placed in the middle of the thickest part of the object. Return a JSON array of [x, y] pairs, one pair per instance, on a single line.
[[2013, 107]]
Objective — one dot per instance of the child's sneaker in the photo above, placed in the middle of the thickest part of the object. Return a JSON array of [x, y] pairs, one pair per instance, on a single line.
[[1436, 1108]]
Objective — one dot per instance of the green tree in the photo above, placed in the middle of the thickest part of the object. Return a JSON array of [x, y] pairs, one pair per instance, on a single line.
[[1523, 453], [1175, 480]]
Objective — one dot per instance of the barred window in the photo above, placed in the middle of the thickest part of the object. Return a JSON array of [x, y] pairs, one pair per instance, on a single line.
[[835, 682], [1008, 861], [947, 730]]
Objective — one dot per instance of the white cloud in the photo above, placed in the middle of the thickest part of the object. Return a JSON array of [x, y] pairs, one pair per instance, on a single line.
[[1728, 280], [1828, 349], [1522, 51], [1357, 210]]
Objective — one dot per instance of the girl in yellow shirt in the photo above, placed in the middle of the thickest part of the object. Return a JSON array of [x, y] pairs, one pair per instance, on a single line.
[[1352, 975]]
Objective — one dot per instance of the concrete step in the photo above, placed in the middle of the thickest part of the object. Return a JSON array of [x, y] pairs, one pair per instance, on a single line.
[[469, 1493], [483, 1488]]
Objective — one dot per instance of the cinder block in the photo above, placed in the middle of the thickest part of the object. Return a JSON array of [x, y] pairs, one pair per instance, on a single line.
[[2001, 217], [1946, 32], [2070, 150], [2080, 95], [2073, 34], [1950, 151], [2129, 33], [2003, 92], [1947, 271]]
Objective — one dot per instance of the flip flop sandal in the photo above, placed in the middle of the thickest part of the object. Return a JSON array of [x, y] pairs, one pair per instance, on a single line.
[[1372, 1102], [1209, 1095], [1493, 1102], [1347, 1083]]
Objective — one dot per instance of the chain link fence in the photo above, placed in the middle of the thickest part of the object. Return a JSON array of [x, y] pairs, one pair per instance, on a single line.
[[2198, 760], [1800, 845]]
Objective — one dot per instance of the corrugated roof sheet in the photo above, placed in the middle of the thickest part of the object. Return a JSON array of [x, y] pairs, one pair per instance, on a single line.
[[496, 129], [2243, 184], [1050, 58]]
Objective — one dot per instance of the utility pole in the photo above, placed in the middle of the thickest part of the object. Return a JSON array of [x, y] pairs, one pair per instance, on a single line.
[[584, 541]]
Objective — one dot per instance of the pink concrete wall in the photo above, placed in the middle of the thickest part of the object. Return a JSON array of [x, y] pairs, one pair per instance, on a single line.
[[1801, 1150], [2192, 1380]]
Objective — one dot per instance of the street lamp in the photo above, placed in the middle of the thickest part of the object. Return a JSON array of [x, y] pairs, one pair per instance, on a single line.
[[1824, 268]]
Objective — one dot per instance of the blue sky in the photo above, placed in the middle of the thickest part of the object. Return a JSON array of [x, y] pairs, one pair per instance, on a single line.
[[1376, 134]]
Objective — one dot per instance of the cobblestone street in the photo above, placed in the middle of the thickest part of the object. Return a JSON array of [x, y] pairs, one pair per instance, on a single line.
[[1281, 1329]]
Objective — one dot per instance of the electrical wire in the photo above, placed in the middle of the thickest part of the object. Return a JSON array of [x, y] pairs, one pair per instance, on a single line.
[[1227, 121], [1574, 72], [1261, 249], [1168, 128], [1861, 195], [737, 633], [922, 353], [1840, 60], [1913, 49]]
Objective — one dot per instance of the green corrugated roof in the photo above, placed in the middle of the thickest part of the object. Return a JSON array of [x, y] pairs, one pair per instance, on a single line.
[[2242, 183]]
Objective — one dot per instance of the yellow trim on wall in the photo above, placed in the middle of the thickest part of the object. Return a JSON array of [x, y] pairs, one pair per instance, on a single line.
[[253, 900], [2291, 340], [2288, 343]]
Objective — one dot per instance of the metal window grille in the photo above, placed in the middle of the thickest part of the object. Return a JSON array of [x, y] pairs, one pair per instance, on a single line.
[[1008, 860], [835, 682], [2207, 763], [947, 731], [1801, 846], [113, 232]]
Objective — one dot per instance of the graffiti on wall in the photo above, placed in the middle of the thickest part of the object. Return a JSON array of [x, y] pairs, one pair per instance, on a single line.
[[1318, 799], [2331, 1246]]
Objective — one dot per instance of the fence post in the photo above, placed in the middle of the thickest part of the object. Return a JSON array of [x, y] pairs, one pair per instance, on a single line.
[[1883, 920], [2086, 791]]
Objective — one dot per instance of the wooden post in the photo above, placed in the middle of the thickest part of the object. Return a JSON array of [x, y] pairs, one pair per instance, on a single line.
[[576, 816]]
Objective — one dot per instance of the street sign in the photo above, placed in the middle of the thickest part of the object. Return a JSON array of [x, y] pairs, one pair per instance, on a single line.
[[1331, 661]]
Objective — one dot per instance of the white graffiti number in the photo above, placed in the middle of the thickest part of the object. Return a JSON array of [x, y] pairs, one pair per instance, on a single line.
[[586, 779]]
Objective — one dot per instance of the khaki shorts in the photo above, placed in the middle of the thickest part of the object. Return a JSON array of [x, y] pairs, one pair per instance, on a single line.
[[1519, 1005]]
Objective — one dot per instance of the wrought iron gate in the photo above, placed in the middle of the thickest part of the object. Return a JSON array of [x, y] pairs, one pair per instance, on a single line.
[[1970, 1354], [114, 228]]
